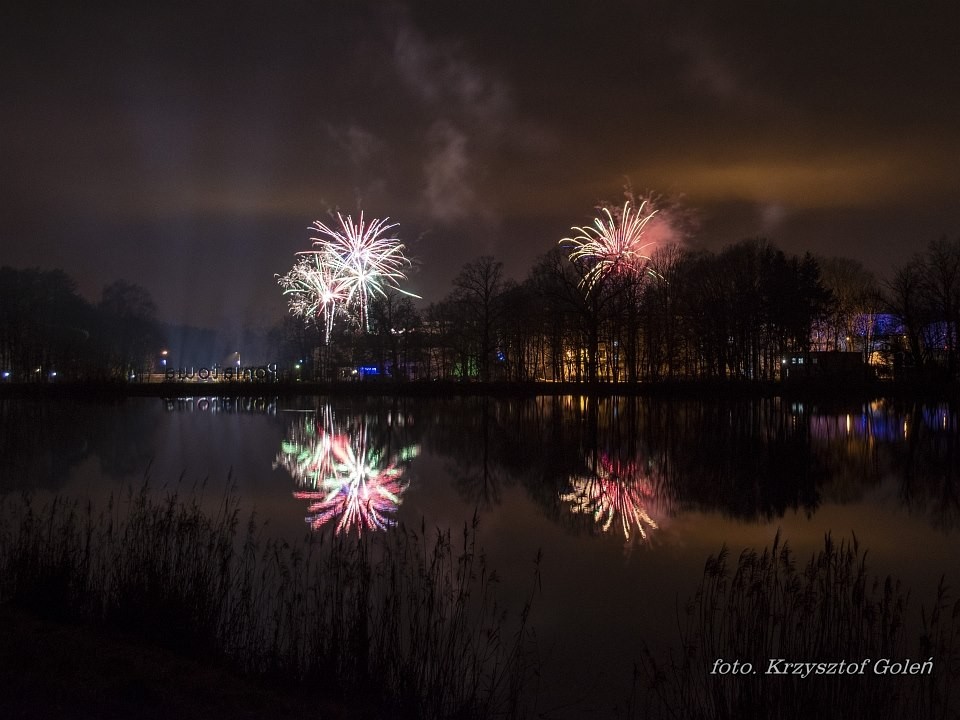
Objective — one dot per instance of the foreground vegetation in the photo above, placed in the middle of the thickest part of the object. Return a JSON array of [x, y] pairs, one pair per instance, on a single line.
[[769, 607], [404, 624], [401, 623]]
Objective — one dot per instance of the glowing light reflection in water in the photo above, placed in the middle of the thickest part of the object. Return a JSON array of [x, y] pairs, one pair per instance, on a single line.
[[614, 491], [344, 473]]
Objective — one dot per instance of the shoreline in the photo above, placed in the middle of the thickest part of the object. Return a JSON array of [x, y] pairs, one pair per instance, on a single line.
[[815, 389]]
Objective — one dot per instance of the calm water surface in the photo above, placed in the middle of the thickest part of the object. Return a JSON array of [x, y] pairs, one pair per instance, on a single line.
[[625, 497]]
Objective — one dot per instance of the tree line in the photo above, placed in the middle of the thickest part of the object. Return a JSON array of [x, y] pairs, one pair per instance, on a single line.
[[733, 314], [697, 315], [49, 331], [692, 314]]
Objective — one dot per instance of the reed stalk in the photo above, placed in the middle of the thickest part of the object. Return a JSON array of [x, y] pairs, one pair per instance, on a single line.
[[830, 609], [408, 620]]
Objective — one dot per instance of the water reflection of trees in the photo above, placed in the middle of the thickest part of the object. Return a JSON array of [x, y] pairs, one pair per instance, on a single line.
[[350, 467], [616, 495], [552, 450], [746, 459], [41, 442], [485, 443], [926, 463], [750, 459], [914, 443]]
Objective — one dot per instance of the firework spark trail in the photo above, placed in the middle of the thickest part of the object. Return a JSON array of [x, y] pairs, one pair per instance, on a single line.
[[361, 490], [358, 260], [345, 269], [352, 253], [343, 475], [612, 246], [315, 289], [618, 490], [307, 453]]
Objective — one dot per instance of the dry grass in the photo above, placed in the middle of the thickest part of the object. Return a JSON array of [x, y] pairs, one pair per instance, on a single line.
[[828, 610], [407, 619]]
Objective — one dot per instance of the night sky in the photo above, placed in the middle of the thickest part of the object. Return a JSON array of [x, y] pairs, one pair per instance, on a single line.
[[188, 147]]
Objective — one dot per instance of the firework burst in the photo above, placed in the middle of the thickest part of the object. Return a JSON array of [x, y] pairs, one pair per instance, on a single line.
[[306, 453], [363, 490], [617, 492], [315, 290], [613, 246], [346, 268], [343, 475]]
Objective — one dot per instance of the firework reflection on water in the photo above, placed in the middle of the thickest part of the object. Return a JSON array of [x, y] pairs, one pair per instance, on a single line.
[[344, 473]]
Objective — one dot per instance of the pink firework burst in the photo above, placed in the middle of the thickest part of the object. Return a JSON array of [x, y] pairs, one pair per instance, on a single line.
[[612, 246], [618, 491]]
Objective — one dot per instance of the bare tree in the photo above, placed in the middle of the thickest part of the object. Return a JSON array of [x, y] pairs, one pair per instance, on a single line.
[[942, 288], [856, 300], [130, 332], [394, 322], [478, 289]]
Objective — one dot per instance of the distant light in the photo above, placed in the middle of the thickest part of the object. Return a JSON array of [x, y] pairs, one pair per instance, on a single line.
[[297, 366], [163, 352], [6, 374], [53, 373]]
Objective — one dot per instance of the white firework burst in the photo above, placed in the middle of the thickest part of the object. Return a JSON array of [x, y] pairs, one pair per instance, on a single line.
[[346, 267]]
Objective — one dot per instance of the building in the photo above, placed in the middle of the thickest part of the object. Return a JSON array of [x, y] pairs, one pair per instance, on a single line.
[[832, 365]]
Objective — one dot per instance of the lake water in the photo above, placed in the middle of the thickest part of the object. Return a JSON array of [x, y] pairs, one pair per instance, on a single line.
[[625, 497]]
